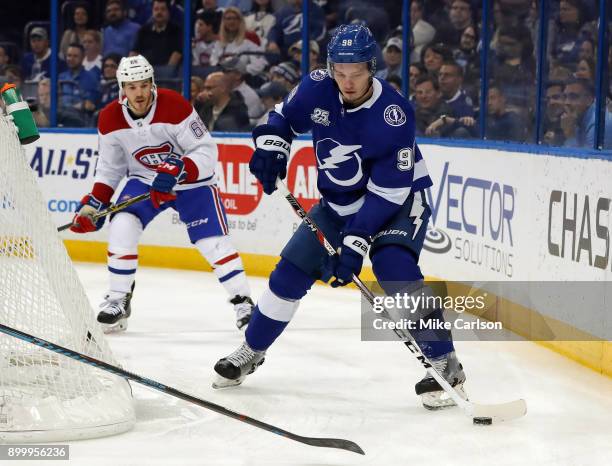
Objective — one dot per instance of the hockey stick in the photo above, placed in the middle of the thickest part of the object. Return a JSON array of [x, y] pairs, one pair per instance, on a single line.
[[112, 209], [313, 441], [480, 413]]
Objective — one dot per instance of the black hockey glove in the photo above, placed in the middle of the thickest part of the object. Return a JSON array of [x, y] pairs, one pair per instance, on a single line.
[[269, 161]]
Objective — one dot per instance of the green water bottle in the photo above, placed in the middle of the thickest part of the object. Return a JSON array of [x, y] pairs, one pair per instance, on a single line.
[[20, 111]]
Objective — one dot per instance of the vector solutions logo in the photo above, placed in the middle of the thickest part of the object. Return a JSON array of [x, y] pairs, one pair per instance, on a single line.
[[437, 241]]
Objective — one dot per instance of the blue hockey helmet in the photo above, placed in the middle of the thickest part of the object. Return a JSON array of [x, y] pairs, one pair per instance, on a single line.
[[352, 43]]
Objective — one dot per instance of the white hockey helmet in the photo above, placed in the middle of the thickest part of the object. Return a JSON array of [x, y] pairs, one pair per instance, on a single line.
[[136, 68]]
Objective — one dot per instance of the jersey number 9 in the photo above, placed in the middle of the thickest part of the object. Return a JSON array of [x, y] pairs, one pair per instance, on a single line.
[[405, 159]]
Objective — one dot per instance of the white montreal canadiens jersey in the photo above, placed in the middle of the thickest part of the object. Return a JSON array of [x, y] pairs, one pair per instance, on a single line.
[[364, 151], [134, 148]]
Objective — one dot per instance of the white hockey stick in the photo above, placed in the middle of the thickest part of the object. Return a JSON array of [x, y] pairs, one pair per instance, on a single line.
[[483, 414]]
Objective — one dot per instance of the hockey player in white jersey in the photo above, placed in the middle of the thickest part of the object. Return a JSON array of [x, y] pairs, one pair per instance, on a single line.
[[372, 178], [155, 138]]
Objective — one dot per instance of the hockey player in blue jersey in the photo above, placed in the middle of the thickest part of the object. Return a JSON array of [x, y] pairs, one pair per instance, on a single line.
[[371, 177]]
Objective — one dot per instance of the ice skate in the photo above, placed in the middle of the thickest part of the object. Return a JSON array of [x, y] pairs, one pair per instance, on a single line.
[[115, 311], [233, 369], [243, 306], [432, 395]]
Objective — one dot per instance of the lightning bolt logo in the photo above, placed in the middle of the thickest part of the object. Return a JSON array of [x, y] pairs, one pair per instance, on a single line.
[[417, 211], [337, 155]]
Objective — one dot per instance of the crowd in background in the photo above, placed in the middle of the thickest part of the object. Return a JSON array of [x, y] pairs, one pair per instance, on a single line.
[[246, 57]]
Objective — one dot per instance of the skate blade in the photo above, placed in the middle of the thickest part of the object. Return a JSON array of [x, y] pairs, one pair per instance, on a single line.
[[435, 401], [120, 326], [222, 382]]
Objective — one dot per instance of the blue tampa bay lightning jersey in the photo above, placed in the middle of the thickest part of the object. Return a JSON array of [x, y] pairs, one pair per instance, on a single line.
[[367, 160]]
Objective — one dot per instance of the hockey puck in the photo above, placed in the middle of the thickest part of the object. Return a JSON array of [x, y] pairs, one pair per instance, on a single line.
[[483, 421]]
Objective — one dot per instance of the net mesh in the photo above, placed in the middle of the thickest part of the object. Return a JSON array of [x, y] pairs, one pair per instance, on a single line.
[[44, 395]]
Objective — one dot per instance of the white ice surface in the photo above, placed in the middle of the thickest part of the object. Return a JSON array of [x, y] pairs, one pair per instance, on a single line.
[[319, 379]]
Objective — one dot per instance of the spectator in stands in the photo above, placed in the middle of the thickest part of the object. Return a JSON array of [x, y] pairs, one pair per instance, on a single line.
[[296, 54], [451, 86], [287, 30], [76, 28], [460, 17], [40, 110], [433, 55], [468, 57], [261, 19], [221, 109], [196, 87], [92, 44], [434, 117], [415, 71], [285, 73], [233, 41], [205, 38], [140, 11], [235, 71], [120, 34], [392, 56], [503, 124], [585, 69], [429, 106], [559, 73], [422, 32], [513, 67], [5, 59], [14, 75], [271, 94], [587, 49], [564, 38], [552, 133], [109, 88], [160, 40], [437, 12], [35, 64], [578, 118], [78, 88], [210, 6]]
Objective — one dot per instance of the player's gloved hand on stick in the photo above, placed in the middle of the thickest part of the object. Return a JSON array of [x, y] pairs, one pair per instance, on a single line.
[[83, 221], [269, 161], [350, 259], [169, 172]]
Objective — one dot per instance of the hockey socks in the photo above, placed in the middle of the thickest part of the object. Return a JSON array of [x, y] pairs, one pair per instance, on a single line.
[[226, 263]]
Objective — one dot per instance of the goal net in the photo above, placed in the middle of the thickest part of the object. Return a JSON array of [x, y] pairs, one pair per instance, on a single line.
[[45, 396]]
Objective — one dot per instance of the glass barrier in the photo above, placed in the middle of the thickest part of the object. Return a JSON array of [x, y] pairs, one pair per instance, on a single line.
[[521, 71]]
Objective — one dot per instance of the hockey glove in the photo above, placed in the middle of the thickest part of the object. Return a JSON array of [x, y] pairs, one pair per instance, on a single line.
[[169, 172], [350, 259], [269, 161], [83, 221]]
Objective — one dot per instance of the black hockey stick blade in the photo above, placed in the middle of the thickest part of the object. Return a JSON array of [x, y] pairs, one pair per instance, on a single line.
[[112, 209], [85, 359]]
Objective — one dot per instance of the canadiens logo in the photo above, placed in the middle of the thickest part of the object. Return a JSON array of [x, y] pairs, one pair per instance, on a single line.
[[344, 161], [394, 115], [318, 75], [152, 156]]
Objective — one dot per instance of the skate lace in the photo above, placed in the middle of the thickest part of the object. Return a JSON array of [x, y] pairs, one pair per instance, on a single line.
[[115, 306], [439, 365], [242, 310], [241, 356]]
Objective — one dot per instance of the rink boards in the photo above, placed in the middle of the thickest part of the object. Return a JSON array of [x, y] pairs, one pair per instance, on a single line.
[[496, 216]]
